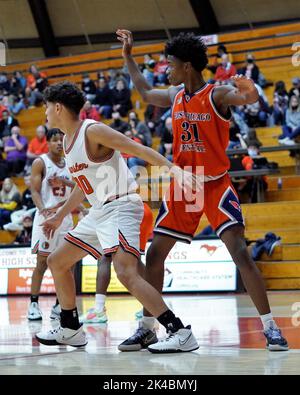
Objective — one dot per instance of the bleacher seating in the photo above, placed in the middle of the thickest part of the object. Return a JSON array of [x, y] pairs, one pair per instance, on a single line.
[[280, 213]]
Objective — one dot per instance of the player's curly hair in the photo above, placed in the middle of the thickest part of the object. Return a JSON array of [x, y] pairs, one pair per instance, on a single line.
[[53, 132], [188, 48], [67, 94]]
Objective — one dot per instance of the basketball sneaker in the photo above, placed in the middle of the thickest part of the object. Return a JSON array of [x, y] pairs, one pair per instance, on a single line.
[[34, 312], [181, 341], [94, 316], [63, 336], [141, 339], [275, 340], [55, 312]]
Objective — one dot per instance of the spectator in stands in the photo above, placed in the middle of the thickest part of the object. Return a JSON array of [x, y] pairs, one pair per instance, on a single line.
[[295, 90], [36, 84], [103, 99], [2, 107], [38, 145], [27, 209], [24, 238], [6, 124], [234, 135], [16, 148], [89, 112], [4, 83], [118, 124], [222, 50], [280, 102], [225, 71], [133, 162], [9, 201], [250, 69], [88, 87], [18, 103], [141, 128], [148, 70], [121, 98], [3, 167], [166, 142], [18, 84], [291, 129], [160, 76]]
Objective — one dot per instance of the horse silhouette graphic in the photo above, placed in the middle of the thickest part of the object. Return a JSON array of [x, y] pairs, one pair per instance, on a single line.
[[210, 249]]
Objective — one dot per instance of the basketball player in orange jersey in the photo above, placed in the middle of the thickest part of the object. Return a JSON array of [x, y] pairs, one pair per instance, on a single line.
[[200, 115]]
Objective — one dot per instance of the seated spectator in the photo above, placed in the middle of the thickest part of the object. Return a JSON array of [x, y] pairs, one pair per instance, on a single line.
[[2, 108], [291, 129], [27, 209], [295, 90], [18, 84], [36, 84], [166, 141], [103, 99], [250, 70], [24, 238], [118, 124], [148, 69], [89, 112], [121, 98], [38, 145], [222, 50], [3, 167], [160, 76], [18, 103], [141, 128], [234, 135], [225, 71], [238, 117], [88, 87], [16, 148], [251, 139], [133, 162], [280, 103], [6, 124], [4, 83], [9, 201]]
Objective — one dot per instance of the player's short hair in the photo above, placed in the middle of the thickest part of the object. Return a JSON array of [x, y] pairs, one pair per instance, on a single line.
[[188, 48], [53, 132], [67, 94]]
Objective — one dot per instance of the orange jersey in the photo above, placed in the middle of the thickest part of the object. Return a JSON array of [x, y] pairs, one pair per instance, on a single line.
[[201, 134]]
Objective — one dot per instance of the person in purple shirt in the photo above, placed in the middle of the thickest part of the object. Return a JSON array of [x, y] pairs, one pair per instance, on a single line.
[[15, 148]]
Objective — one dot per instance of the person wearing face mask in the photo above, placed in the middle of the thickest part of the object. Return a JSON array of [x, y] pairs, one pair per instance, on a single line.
[[292, 128], [250, 69], [118, 124], [88, 87]]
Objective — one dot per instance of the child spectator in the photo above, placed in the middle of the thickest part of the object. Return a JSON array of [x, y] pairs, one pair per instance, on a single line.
[[9, 201]]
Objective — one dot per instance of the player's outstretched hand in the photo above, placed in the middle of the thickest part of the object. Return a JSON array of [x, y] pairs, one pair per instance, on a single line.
[[244, 84], [187, 180], [125, 36], [50, 226]]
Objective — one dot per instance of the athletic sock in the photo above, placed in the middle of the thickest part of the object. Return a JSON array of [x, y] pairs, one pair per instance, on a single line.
[[148, 323], [100, 302], [268, 321], [170, 322], [34, 299], [69, 319]]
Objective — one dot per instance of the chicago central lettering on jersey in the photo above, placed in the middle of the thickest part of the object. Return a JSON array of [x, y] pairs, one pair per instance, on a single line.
[[100, 180], [201, 134]]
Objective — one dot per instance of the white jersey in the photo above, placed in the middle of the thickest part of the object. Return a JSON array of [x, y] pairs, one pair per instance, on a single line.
[[102, 180], [52, 196]]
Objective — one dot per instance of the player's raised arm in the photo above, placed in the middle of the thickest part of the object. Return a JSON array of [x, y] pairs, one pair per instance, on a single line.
[[157, 97], [243, 93]]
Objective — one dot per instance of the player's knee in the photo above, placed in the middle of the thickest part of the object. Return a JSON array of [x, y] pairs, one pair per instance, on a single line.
[[55, 263], [242, 258], [125, 275]]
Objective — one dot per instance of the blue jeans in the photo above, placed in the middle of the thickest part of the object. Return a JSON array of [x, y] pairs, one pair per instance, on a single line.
[[288, 132], [106, 111]]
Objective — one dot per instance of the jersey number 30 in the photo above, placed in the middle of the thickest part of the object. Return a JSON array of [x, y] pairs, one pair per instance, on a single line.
[[84, 184]]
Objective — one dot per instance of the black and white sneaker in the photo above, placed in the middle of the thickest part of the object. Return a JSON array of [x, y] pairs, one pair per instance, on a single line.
[[63, 336], [141, 339], [181, 341], [275, 340]]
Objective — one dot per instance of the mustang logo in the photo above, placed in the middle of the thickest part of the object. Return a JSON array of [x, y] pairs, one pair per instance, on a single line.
[[235, 205], [210, 249]]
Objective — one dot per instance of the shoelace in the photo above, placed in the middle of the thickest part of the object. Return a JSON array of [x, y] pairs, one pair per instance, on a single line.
[[56, 330], [170, 337]]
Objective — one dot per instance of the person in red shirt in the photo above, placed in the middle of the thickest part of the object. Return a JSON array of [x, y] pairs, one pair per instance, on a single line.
[[38, 145], [201, 118], [2, 110], [89, 112], [160, 76], [225, 71]]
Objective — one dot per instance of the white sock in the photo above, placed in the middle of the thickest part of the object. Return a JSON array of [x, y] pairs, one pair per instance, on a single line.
[[148, 323], [268, 321], [100, 301]]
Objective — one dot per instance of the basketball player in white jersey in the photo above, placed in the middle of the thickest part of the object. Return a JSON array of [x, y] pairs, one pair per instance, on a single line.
[[51, 186], [113, 223]]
